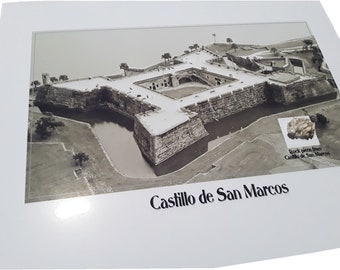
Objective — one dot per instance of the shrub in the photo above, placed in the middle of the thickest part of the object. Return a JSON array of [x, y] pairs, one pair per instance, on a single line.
[[321, 119], [80, 158], [46, 125]]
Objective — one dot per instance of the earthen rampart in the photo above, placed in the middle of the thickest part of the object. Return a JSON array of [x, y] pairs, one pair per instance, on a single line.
[[243, 62]]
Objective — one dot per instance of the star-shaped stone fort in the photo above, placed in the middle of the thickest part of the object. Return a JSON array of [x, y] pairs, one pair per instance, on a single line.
[[171, 103]]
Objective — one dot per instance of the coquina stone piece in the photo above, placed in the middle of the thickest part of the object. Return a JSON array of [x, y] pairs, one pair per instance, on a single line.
[[300, 128]]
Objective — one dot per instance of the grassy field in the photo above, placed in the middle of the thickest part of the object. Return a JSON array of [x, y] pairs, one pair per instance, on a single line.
[[183, 92], [311, 68], [241, 52], [51, 167], [51, 160], [221, 49], [263, 148], [290, 43]]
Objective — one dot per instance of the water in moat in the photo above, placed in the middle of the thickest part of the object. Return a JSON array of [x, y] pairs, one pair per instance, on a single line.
[[115, 133]]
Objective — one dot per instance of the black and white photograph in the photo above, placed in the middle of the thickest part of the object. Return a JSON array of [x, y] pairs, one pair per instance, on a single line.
[[122, 109]]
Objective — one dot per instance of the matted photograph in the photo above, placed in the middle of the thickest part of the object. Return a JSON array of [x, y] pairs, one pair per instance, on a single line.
[[141, 134], [114, 110]]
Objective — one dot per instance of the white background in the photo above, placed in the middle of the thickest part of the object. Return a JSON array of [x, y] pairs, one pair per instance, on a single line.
[[321, 260]]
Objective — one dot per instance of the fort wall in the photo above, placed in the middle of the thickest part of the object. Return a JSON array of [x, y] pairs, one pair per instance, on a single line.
[[252, 96], [229, 103], [191, 74], [133, 71], [156, 83], [145, 141], [205, 77], [161, 147], [48, 96], [110, 99], [104, 98], [300, 91]]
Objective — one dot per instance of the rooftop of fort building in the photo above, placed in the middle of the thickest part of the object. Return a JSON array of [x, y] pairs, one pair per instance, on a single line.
[[83, 84], [160, 121], [285, 78]]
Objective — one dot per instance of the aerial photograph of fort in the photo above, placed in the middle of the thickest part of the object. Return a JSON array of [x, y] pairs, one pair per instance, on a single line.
[[127, 109]]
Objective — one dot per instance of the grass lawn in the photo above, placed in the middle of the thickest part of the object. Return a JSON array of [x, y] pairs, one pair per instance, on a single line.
[[263, 148], [241, 52], [46, 161], [291, 43], [52, 168], [185, 91], [221, 49], [311, 68]]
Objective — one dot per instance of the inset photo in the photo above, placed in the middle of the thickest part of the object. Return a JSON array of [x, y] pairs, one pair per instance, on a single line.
[[298, 132]]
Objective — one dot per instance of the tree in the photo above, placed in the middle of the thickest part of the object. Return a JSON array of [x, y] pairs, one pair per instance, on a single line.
[[53, 79], [234, 46], [166, 56], [80, 158], [318, 118], [186, 52], [229, 40], [195, 46], [124, 66], [191, 48], [35, 83], [308, 43], [317, 56], [63, 77], [214, 36], [274, 51], [105, 94], [46, 125]]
